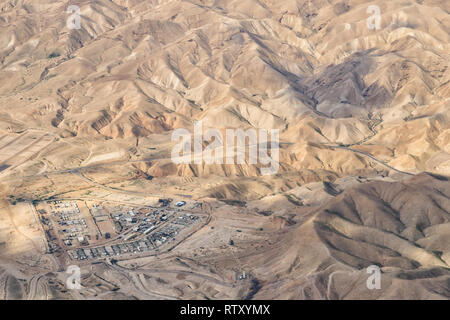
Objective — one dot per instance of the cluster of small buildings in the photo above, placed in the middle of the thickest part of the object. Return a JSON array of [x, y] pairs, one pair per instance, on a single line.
[[70, 221], [150, 241], [186, 219], [142, 222], [112, 250], [138, 229], [163, 235]]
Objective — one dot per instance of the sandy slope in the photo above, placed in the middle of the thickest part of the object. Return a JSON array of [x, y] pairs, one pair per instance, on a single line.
[[310, 68], [360, 111]]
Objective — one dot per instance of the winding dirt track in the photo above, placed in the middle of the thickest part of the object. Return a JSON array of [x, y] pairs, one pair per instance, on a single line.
[[123, 162], [373, 158], [183, 272]]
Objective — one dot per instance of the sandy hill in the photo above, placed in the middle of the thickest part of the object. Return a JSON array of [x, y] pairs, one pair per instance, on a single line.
[[310, 68], [364, 119]]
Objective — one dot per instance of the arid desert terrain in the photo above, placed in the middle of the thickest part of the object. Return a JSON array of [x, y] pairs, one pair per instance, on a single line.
[[92, 93]]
